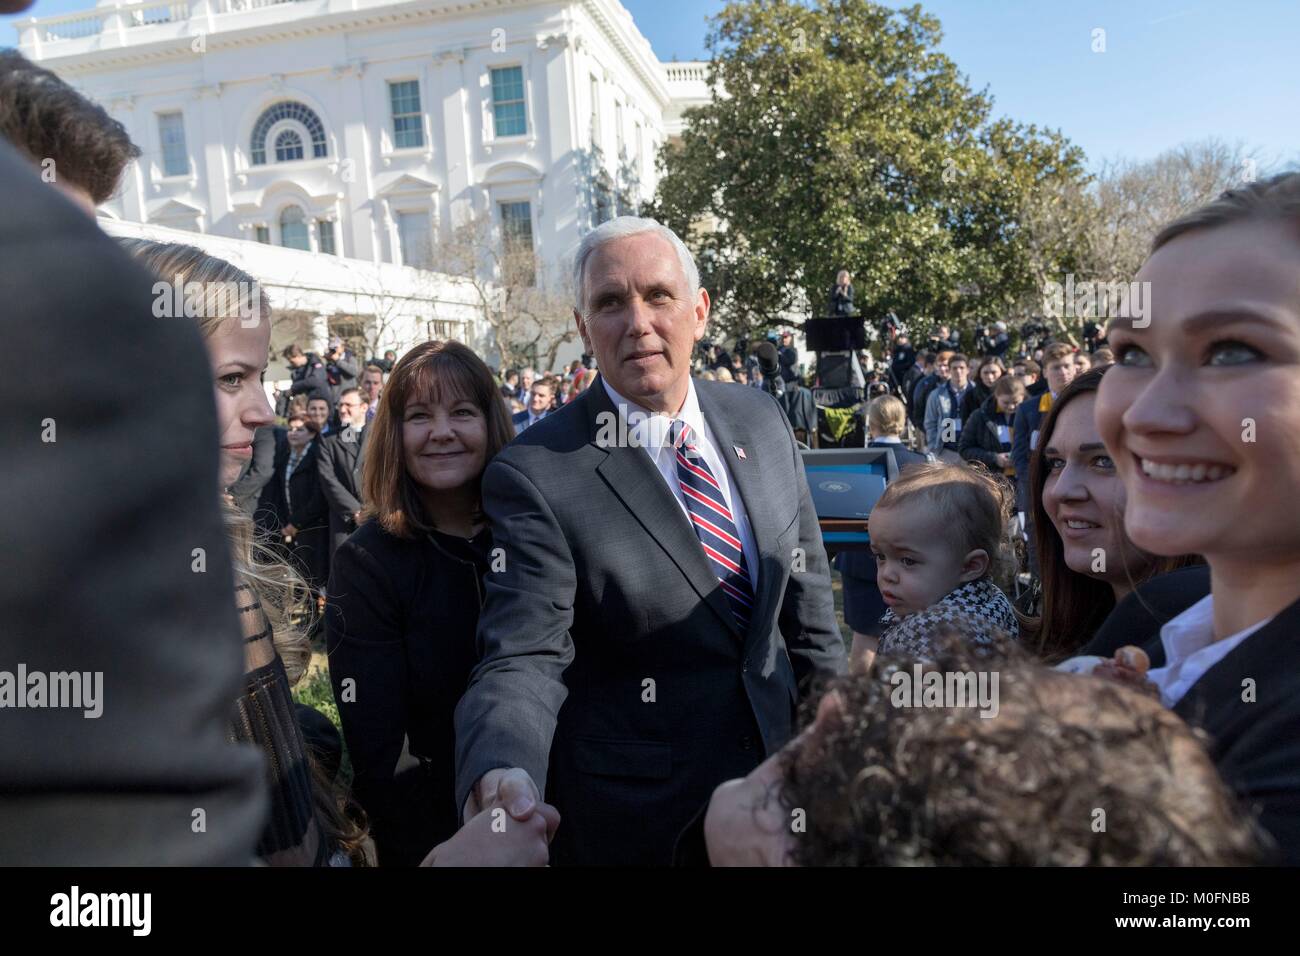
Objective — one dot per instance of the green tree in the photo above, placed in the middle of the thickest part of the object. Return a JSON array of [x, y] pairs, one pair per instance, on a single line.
[[839, 137]]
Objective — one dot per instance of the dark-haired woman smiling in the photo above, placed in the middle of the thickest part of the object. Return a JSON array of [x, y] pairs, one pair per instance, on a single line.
[[405, 591], [1088, 563]]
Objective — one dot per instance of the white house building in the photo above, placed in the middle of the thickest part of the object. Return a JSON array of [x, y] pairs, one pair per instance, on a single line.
[[365, 129]]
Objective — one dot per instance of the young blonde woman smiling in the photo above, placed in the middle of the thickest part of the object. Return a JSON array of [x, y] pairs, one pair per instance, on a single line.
[[1201, 413]]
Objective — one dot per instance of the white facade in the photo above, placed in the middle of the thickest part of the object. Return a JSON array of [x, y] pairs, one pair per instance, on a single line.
[[369, 124]]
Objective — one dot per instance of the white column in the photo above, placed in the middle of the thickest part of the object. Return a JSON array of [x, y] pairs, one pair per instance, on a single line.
[[357, 234], [213, 163], [457, 154]]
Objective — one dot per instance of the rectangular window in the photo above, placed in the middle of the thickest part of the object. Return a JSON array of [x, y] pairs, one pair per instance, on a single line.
[[618, 128], [325, 236], [509, 117], [415, 236], [595, 113], [264, 235], [408, 121], [171, 133], [639, 163], [517, 233]]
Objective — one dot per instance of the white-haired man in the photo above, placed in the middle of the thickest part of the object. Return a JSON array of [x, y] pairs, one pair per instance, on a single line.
[[664, 596]]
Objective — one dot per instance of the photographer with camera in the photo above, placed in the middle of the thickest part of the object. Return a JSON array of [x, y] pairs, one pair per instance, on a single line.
[[341, 368]]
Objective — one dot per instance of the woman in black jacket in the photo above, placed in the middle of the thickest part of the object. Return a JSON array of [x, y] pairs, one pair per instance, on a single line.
[[986, 436], [292, 508], [406, 589], [987, 374]]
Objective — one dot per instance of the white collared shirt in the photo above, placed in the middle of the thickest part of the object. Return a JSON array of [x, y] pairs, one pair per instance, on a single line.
[[650, 431], [1191, 650]]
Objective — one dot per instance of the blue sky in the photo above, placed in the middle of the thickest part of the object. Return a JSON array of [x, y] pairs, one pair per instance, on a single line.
[[1174, 71]]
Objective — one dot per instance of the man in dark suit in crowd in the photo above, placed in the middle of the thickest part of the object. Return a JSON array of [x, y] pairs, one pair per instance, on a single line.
[[540, 398], [125, 575], [339, 463], [665, 599]]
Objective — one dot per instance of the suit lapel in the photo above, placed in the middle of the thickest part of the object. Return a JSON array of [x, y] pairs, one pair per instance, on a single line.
[[731, 432], [633, 477]]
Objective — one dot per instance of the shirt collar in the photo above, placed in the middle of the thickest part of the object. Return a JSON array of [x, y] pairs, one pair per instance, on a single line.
[[1189, 631], [650, 429], [1193, 631]]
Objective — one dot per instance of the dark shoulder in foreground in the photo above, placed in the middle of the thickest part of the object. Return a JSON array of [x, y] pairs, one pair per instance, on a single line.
[[1138, 618], [371, 538]]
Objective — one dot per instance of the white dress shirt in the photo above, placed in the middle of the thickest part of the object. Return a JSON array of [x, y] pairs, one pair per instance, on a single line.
[[650, 431], [1191, 650]]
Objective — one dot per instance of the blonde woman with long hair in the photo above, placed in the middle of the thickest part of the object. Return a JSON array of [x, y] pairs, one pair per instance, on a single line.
[[307, 826]]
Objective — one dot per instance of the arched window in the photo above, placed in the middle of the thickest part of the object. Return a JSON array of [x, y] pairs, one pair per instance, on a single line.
[[299, 119], [288, 145], [293, 229]]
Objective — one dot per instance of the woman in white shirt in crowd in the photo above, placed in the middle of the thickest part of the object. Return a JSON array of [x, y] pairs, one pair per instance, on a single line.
[[1201, 414]]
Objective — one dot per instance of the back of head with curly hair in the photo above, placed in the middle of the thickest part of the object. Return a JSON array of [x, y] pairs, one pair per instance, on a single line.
[[1071, 770]]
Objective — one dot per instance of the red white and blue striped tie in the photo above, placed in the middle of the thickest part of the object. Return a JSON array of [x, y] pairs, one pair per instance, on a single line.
[[713, 523]]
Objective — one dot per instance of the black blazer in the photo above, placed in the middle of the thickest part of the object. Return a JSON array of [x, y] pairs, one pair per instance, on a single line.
[[612, 668], [979, 436], [399, 623], [1255, 743], [340, 477], [1138, 618]]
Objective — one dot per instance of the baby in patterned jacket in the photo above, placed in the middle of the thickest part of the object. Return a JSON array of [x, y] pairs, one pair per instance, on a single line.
[[938, 533]]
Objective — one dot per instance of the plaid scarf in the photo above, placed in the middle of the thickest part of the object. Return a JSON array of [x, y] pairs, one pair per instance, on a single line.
[[976, 609]]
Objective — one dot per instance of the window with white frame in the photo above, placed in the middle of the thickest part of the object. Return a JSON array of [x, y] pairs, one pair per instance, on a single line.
[[171, 135], [618, 128], [595, 113], [264, 235], [509, 115], [325, 236], [287, 116], [293, 229], [408, 120], [415, 238]]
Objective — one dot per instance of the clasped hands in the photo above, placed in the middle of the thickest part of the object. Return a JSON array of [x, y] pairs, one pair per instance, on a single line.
[[506, 824]]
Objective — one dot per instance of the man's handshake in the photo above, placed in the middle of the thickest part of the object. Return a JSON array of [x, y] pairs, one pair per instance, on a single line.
[[506, 824]]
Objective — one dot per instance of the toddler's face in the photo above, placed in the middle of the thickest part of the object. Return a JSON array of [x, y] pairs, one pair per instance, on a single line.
[[918, 561]]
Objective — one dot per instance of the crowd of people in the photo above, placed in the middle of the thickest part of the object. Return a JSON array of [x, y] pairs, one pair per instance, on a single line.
[[549, 645]]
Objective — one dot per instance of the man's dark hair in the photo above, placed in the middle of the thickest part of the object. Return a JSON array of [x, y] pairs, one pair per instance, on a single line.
[[292, 351], [45, 118], [886, 784]]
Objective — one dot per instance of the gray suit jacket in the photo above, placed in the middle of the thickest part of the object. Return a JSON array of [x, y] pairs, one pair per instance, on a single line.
[[611, 667], [340, 463], [98, 572]]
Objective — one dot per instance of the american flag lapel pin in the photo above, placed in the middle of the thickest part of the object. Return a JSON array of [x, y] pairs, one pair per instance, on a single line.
[[740, 452]]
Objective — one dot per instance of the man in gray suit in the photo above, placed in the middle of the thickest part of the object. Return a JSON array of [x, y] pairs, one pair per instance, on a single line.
[[665, 597]]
